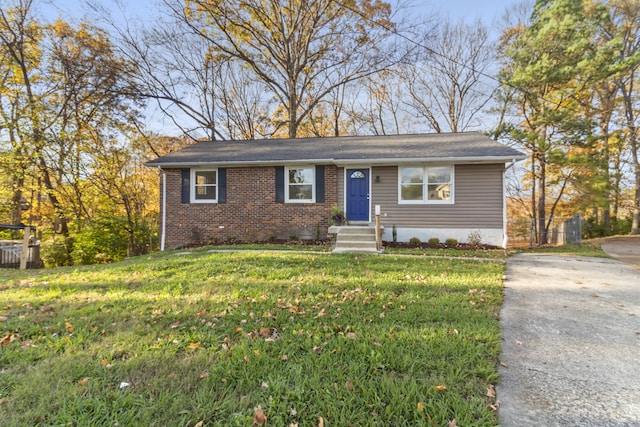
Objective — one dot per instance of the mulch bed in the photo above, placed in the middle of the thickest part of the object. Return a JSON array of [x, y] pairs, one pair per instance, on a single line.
[[323, 243]]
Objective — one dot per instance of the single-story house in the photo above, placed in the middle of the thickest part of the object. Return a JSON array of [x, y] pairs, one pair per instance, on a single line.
[[429, 185]]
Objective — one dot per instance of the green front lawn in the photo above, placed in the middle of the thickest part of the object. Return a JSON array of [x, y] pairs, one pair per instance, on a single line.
[[202, 339]]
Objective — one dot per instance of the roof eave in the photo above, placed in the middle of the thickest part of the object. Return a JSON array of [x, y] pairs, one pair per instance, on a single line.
[[238, 163], [343, 162], [432, 160]]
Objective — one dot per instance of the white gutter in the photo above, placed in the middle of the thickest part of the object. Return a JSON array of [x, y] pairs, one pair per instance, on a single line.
[[345, 162], [505, 236], [163, 203]]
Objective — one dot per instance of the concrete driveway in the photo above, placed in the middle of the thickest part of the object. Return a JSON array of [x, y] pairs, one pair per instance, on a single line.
[[571, 341], [626, 249]]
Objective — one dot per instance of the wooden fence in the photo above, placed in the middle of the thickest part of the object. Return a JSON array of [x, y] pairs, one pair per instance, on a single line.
[[11, 252]]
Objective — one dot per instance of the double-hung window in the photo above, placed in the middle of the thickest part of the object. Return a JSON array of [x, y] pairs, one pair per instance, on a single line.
[[300, 184], [204, 186], [422, 185]]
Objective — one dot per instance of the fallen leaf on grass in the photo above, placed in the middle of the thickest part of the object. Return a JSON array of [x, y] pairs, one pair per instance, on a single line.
[[452, 423], [194, 345], [8, 339], [259, 418], [320, 422], [420, 406], [203, 374], [491, 391], [199, 424], [265, 332], [441, 387], [349, 385], [351, 335], [3, 318], [68, 326], [175, 324], [83, 381]]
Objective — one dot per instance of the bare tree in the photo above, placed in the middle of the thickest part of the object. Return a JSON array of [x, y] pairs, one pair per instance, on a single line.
[[626, 16], [380, 111], [449, 87], [301, 50]]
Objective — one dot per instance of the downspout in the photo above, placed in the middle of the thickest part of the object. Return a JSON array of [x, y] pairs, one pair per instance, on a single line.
[[505, 237], [163, 207]]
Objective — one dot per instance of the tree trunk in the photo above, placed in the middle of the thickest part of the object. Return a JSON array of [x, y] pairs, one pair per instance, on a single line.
[[630, 115], [636, 168], [16, 208], [534, 215], [542, 228], [293, 109], [55, 203]]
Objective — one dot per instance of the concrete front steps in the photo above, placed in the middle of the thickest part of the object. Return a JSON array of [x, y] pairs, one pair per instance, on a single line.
[[354, 238]]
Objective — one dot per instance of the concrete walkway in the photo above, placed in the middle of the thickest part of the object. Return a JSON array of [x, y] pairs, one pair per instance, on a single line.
[[571, 342]]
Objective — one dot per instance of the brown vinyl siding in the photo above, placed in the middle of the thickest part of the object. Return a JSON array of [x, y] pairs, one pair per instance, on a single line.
[[477, 200]]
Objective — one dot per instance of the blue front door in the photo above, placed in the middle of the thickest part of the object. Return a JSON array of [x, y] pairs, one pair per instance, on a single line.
[[357, 194]]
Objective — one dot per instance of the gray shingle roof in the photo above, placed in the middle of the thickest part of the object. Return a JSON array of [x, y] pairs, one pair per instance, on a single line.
[[466, 147]]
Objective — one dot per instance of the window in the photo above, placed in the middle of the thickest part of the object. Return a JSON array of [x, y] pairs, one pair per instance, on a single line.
[[204, 187], [299, 186], [426, 184]]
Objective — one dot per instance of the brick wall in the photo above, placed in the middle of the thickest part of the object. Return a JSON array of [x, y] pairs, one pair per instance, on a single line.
[[250, 212]]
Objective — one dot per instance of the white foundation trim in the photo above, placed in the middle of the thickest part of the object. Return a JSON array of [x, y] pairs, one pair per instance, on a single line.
[[488, 236]]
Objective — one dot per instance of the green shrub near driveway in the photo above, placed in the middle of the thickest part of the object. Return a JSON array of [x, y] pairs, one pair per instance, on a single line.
[[201, 337]]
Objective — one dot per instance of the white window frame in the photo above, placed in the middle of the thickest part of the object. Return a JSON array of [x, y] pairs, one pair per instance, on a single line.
[[313, 184], [193, 185], [425, 186]]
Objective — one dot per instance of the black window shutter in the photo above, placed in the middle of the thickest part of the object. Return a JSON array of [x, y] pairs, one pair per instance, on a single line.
[[319, 184], [186, 177], [279, 184], [222, 185]]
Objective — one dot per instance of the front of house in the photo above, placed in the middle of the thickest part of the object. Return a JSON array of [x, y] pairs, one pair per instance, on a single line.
[[435, 185]]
